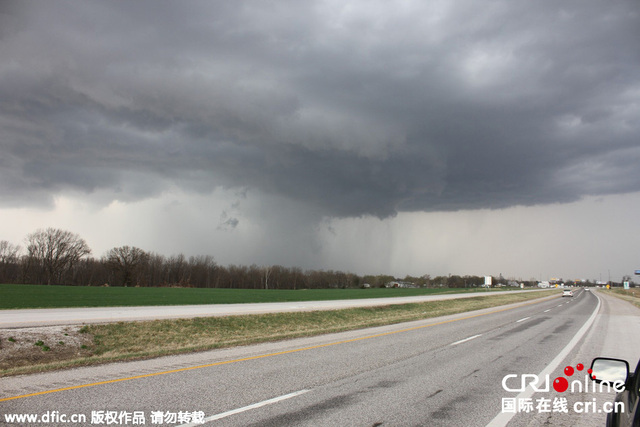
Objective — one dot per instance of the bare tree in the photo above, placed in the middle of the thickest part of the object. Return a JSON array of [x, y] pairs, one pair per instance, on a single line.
[[55, 251], [127, 260], [178, 271], [8, 261], [267, 273], [203, 271], [8, 252], [153, 270]]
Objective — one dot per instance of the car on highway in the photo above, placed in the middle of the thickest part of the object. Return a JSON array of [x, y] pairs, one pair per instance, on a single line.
[[567, 293], [604, 369]]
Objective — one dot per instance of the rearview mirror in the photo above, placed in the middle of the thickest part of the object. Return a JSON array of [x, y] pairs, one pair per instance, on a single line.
[[608, 370]]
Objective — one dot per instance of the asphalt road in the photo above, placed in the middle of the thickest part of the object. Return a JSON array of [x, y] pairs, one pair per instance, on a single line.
[[445, 371], [77, 316]]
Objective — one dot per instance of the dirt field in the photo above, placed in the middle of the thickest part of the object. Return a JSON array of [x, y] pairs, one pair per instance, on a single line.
[[33, 346]]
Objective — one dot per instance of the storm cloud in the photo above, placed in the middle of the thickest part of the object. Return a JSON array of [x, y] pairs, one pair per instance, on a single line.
[[350, 109]]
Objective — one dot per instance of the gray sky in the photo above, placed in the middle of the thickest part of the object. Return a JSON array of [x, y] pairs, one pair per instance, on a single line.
[[392, 137]]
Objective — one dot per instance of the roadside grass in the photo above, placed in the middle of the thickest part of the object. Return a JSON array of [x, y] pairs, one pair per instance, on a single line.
[[42, 296], [631, 295], [139, 340]]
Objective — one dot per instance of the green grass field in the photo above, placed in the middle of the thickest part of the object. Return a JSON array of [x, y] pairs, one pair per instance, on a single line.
[[41, 296]]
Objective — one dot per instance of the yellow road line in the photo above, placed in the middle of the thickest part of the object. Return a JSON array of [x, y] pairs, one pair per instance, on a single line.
[[262, 356]]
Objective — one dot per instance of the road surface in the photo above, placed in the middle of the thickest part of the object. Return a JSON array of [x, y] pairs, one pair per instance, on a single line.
[[436, 372]]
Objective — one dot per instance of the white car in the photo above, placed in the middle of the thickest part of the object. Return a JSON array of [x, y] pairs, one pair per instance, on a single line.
[[567, 293]]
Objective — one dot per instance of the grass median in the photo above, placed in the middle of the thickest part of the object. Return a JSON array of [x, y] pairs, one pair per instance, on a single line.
[[101, 343], [631, 295]]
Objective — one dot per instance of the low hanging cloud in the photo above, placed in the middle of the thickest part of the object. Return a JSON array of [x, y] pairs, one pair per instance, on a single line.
[[351, 109]]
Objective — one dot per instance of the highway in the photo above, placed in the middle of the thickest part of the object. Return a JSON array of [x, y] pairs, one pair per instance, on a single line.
[[435, 372]]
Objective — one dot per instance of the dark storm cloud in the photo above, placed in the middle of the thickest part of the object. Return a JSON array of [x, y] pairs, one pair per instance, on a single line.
[[351, 109]]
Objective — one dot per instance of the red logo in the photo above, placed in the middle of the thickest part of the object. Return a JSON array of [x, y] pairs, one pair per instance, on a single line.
[[561, 384]]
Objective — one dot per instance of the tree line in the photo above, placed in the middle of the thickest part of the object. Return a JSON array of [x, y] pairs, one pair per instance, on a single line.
[[58, 257]]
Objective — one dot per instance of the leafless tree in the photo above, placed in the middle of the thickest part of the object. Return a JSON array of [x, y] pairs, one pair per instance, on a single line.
[[60, 257], [203, 271], [55, 251], [8, 252], [267, 273], [127, 260], [91, 272], [154, 270], [8, 261], [178, 271]]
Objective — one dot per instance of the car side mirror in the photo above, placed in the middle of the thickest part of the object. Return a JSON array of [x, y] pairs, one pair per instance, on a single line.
[[612, 371]]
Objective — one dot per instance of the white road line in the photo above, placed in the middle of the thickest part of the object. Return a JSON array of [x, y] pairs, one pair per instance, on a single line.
[[546, 310], [503, 418], [523, 319], [466, 339], [247, 408]]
